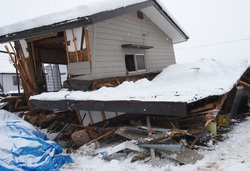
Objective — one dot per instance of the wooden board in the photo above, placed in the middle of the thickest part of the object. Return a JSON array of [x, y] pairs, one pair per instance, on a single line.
[[136, 107]]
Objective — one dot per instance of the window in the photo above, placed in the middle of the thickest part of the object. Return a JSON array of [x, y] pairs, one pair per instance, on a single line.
[[135, 62], [15, 80]]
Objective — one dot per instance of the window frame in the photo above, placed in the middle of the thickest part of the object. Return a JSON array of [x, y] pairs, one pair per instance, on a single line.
[[14, 80], [135, 62]]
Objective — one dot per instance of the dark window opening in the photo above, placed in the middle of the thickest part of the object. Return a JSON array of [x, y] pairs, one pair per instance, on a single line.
[[15, 82], [135, 62]]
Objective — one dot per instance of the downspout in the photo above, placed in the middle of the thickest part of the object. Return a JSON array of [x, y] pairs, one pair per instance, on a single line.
[[17, 77]]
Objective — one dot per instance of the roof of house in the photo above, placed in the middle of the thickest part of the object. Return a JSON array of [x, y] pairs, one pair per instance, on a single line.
[[91, 12]]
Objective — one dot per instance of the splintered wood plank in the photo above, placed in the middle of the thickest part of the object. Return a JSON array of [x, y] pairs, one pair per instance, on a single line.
[[202, 108], [22, 73], [42, 37], [131, 134], [74, 40]]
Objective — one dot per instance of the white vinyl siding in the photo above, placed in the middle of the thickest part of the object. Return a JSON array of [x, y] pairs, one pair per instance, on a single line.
[[106, 38]]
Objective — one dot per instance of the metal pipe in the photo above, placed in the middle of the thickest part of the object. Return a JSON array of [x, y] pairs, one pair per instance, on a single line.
[[1, 51], [17, 77]]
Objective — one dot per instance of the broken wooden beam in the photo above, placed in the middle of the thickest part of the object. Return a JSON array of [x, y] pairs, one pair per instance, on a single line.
[[152, 151]]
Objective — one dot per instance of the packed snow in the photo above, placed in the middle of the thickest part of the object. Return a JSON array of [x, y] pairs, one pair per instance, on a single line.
[[229, 155], [176, 83]]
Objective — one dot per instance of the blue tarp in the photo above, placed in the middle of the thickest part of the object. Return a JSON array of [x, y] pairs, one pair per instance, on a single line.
[[23, 147]]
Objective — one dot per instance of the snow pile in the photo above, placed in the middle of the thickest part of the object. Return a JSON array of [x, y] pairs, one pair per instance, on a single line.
[[5, 115], [230, 155], [22, 147], [177, 83]]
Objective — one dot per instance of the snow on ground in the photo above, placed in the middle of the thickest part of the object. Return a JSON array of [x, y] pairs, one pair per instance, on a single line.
[[229, 155], [177, 83]]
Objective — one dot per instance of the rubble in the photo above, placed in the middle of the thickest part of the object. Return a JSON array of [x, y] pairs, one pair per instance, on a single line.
[[170, 136], [146, 136]]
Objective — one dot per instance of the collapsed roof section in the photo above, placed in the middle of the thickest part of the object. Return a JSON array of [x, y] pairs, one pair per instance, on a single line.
[[185, 83], [90, 13], [170, 93]]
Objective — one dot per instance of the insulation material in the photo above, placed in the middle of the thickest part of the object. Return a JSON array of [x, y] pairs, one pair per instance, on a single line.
[[77, 33], [24, 46]]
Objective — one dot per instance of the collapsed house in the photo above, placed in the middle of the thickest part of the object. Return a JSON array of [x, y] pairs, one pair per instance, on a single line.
[[113, 56], [101, 47]]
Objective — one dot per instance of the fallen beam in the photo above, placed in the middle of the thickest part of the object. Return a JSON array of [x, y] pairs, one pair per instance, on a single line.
[[137, 107]]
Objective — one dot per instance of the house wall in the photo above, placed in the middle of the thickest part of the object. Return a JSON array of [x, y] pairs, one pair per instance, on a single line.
[[106, 38], [6, 80]]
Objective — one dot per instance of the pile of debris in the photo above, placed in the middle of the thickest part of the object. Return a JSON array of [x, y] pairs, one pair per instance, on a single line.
[[171, 137]]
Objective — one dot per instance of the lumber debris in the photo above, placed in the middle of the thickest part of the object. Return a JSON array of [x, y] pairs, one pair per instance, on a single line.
[[148, 137]]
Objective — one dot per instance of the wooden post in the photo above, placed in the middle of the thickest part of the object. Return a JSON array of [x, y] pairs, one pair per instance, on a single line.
[[150, 133], [23, 75], [103, 115], [86, 34], [104, 135], [24, 63], [66, 47], [74, 40], [33, 55], [79, 117], [90, 117]]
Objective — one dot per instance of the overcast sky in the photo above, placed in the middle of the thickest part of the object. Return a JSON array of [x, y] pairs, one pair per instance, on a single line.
[[218, 29]]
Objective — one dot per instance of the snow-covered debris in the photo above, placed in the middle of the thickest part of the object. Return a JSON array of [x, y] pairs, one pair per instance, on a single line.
[[230, 155], [125, 145], [177, 83]]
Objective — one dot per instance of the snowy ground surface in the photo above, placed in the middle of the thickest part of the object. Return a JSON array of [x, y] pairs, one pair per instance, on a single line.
[[177, 83], [229, 155]]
